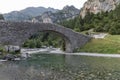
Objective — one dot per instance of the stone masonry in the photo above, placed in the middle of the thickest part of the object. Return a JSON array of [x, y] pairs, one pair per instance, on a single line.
[[16, 33]]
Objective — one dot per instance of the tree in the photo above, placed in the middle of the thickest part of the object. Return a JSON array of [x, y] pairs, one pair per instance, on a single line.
[[77, 25], [115, 29]]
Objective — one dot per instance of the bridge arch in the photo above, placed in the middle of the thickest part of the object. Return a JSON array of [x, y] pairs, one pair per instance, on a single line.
[[16, 33], [65, 38]]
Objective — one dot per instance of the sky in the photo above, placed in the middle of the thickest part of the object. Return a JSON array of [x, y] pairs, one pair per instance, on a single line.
[[16, 5]]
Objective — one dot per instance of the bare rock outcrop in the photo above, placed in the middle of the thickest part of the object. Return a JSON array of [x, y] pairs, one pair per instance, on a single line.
[[96, 6], [67, 13]]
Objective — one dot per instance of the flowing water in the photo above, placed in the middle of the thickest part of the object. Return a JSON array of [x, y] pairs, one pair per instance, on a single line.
[[61, 67]]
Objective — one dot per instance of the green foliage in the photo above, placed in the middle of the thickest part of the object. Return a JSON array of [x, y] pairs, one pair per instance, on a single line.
[[1, 49], [72, 24], [115, 29], [44, 39]]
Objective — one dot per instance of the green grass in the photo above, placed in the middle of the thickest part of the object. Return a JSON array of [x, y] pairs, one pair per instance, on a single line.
[[114, 38], [110, 44]]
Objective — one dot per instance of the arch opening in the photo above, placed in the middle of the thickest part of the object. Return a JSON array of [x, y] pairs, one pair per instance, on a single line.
[[49, 38]]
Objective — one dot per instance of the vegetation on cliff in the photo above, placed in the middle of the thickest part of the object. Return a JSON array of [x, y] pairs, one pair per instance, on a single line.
[[101, 22]]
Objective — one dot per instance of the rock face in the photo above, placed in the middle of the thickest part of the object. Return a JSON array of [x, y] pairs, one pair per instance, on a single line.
[[68, 12], [96, 6]]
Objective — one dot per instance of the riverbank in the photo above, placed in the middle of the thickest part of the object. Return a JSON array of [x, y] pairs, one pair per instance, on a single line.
[[92, 54], [58, 51], [108, 45], [28, 53]]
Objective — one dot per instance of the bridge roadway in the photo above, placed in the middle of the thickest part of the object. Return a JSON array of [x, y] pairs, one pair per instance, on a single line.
[[16, 33]]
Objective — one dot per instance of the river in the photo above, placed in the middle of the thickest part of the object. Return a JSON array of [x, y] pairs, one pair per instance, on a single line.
[[61, 67]]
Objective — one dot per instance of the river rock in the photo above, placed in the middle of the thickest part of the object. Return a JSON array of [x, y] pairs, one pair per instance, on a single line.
[[12, 48], [9, 57]]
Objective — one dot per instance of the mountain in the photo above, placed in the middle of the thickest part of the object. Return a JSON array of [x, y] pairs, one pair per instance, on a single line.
[[68, 12], [27, 13], [96, 6]]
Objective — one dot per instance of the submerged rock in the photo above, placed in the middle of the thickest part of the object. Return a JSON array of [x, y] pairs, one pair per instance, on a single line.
[[9, 57]]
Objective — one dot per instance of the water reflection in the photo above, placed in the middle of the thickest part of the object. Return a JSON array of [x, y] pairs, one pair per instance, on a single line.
[[61, 67]]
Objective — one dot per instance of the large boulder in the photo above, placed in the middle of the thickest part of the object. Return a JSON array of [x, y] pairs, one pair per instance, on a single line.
[[12, 48]]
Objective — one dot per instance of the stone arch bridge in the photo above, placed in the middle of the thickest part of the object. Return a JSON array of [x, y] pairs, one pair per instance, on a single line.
[[16, 33]]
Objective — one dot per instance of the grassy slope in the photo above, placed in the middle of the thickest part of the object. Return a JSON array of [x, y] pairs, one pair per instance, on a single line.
[[111, 44]]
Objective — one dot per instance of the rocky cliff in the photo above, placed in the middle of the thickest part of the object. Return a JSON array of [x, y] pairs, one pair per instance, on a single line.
[[96, 6], [68, 12]]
